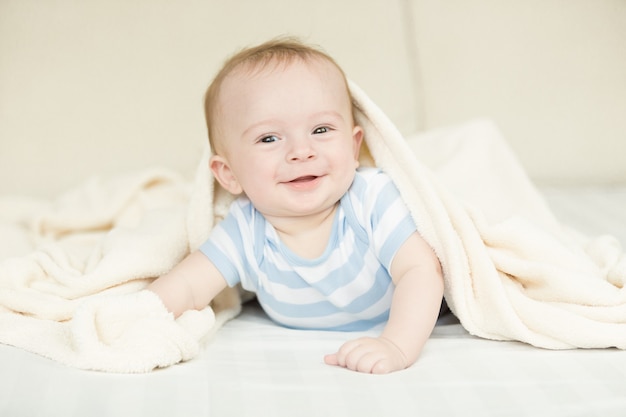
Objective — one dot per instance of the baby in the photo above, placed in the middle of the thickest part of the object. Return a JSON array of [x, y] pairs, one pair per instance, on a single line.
[[324, 245]]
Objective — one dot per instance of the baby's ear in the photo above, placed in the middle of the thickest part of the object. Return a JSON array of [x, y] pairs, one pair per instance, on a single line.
[[224, 175], [357, 137]]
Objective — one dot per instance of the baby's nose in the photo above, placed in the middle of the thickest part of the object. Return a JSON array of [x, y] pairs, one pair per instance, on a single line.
[[302, 149]]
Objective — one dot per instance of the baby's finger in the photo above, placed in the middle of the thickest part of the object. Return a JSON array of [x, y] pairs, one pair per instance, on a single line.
[[367, 361], [331, 359], [349, 351], [383, 366]]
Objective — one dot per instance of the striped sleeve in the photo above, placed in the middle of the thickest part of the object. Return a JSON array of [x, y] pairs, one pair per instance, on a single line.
[[226, 245], [385, 216]]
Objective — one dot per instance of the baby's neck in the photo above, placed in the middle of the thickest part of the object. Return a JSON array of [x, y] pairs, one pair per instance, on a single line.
[[308, 236]]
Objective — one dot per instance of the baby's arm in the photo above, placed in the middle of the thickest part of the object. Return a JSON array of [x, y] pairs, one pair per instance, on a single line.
[[416, 272], [191, 284]]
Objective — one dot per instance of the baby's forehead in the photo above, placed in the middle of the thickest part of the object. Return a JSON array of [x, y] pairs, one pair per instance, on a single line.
[[254, 81]]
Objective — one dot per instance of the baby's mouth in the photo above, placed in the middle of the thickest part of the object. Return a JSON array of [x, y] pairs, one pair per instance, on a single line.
[[305, 178]]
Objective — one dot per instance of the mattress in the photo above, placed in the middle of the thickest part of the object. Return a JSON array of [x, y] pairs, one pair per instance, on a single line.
[[253, 367]]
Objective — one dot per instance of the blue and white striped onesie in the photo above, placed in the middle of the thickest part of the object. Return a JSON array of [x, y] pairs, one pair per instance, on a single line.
[[348, 287]]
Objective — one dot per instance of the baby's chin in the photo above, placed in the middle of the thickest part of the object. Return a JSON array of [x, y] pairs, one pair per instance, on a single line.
[[299, 212]]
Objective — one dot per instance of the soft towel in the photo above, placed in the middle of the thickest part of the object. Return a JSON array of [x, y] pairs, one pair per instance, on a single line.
[[511, 271], [73, 271]]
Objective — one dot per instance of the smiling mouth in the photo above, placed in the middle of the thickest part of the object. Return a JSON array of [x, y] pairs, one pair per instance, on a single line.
[[306, 178]]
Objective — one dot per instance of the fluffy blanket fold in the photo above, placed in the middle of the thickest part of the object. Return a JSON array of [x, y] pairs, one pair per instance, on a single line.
[[72, 271]]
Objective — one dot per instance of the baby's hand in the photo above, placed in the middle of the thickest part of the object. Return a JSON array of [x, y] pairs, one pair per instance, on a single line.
[[369, 355]]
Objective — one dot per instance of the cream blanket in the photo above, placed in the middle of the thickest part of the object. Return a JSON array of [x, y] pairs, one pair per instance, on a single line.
[[72, 271]]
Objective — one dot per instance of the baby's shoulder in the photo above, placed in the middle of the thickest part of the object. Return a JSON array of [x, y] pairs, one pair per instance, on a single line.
[[370, 186], [368, 181]]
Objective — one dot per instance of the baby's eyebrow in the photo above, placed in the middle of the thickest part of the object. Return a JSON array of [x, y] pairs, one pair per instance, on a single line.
[[267, 122], [328, 113]]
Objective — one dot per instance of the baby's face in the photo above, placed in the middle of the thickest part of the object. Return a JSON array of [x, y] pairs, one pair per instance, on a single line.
[[287, 137]]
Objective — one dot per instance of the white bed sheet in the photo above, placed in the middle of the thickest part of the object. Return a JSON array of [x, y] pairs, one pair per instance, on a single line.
[[256, 368]]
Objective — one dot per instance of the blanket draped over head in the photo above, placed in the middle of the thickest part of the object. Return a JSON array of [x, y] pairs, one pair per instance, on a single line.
[[73, 270]]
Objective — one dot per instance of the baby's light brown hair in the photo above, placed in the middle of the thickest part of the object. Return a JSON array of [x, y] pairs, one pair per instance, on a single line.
[[277, 51]]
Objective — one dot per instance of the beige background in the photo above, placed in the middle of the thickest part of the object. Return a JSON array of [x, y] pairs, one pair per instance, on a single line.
[[97, 87]]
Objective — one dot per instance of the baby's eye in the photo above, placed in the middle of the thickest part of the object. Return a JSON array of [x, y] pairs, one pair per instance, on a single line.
[[268, 139], [322, 129]]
